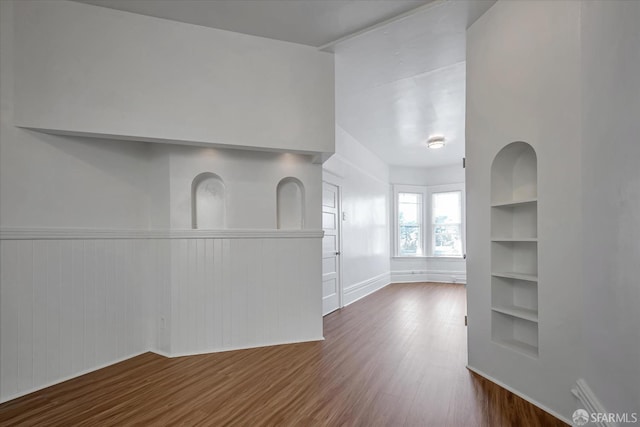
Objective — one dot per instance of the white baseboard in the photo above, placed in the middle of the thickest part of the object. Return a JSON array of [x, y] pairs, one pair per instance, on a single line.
[[519, 394], [152, 350], [440, 276], [590, 402], [232, 348], [69, 377], [361, 289]]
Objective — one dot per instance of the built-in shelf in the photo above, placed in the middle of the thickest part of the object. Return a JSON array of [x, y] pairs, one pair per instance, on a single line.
[[519, 312], [514, 248], [517, 276], [518, 346], [513, 203]]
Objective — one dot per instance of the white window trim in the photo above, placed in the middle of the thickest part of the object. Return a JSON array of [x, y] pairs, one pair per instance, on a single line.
[[427, 211], [397, 189], [447, 189]]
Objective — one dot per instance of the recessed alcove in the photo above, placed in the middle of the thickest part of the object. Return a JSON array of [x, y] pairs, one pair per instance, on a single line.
[[514, 248], [514, 174], [208, 202], [290, 204]]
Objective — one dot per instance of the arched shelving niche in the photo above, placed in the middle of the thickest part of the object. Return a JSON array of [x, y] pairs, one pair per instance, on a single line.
[[290, 204], [514, 173], [514, 248], [207, 202]]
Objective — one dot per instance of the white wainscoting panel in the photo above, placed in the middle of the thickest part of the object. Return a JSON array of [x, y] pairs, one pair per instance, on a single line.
[[239, 293], [74, 302], [68, 307]]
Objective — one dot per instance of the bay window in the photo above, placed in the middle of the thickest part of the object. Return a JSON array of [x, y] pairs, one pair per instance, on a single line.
[[429, 221]]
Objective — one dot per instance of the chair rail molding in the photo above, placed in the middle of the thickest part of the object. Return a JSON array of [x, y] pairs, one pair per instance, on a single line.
[[34, 233]]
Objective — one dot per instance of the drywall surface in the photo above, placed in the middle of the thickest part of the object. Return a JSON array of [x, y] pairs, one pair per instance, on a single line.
[[251, 180], [611, 202], [95, 263], [451, 174], [523, 84], [87, 69], [364, 182], [53, 181]]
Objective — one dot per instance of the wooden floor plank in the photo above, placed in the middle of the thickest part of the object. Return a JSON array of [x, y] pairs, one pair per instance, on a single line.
[[394, 358]]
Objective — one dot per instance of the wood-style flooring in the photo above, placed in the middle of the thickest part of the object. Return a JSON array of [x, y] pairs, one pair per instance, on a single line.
[[394, 358]]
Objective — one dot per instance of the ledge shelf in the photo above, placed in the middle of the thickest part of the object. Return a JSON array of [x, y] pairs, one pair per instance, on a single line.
[[519, 346], [517, 276], [519, 312], [513, 203]]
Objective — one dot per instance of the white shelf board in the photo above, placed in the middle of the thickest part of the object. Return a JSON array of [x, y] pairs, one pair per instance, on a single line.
[[514, 275], [528, 349], [514, 239], [519, 312], [507, 204]]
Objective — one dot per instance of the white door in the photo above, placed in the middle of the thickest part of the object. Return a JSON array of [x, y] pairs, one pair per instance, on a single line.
[[330, 248]]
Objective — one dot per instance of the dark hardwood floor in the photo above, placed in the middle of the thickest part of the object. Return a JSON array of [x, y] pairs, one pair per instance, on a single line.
[[394, 358]]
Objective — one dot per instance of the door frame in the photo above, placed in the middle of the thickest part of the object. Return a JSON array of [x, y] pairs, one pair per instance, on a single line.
[[335, 180]]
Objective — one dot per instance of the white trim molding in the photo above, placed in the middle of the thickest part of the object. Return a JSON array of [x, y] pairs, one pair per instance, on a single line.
[[366, 287], [440, 276], [522, 395], [589, 401], [74, 375], [171, 355], [426, 224], [31, 233]]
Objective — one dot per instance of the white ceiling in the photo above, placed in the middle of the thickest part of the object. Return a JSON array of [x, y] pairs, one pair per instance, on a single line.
[[396, 83], [310, 22], [405, 81]]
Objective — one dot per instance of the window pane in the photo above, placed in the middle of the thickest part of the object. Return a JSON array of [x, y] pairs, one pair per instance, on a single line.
[[409, 224], [447, 208], [447, 240], [409, 198], [447, 223], [410, 240]]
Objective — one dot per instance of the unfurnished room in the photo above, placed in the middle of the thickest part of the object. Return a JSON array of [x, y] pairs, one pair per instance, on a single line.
[[420, 213]]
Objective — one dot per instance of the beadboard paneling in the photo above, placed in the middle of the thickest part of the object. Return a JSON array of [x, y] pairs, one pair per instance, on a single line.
[[67, 307], [72, 305], [240, 293]]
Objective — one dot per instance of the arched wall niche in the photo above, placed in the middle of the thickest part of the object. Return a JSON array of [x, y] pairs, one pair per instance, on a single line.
[[514, 173], [514, 249], [208, 209], [290, 204]]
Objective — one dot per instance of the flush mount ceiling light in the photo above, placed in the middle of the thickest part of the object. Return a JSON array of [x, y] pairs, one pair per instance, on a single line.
[[435, 141]]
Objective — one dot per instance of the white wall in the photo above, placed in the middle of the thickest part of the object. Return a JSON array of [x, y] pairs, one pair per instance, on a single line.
[[232, 293], [426, 269], [364, 182], [450, 174], [94, 264], [251, 180], [87, 69], [611, 202], [523, 84], [68, 307], [257, 288], [39, 182]]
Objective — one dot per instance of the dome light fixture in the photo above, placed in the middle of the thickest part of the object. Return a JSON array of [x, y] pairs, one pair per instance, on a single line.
[[435, 141]]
